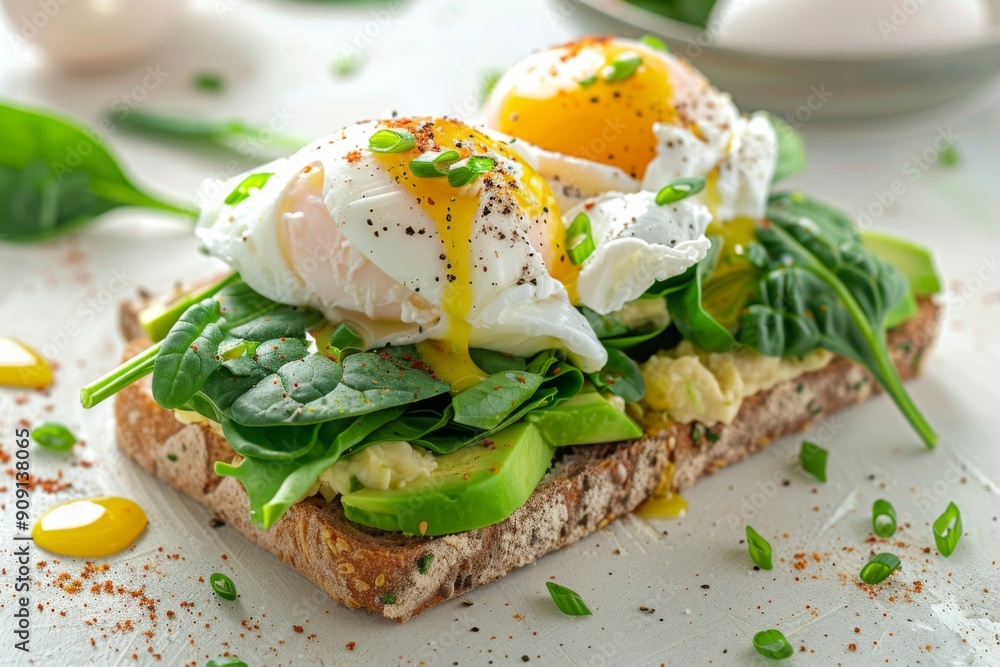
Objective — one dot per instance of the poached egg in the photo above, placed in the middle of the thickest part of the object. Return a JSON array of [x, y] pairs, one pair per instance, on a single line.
[[608, 114], [405, 258]]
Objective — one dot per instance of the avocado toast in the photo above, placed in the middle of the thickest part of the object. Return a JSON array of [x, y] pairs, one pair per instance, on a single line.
[[445, 351]]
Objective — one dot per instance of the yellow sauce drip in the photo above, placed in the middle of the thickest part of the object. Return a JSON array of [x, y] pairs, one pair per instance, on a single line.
[[21, 366], [454, 213], [713, 198], [455, 368], [609, 122], [664, 503], [670, 506], [90, 528]]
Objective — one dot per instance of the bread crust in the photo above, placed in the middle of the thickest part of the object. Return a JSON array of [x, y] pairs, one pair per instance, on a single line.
[[587, 487]]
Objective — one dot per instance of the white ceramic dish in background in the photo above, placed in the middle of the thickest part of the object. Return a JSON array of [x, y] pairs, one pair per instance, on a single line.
[[819, 86], [93, 35]]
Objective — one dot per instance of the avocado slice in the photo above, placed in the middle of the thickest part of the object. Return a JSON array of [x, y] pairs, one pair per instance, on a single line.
[[913, 259], [472, 487], [902, 311], [585, 419]]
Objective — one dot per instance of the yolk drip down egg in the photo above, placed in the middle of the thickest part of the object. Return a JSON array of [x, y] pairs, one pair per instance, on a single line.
[[406, 258], [608, 114]]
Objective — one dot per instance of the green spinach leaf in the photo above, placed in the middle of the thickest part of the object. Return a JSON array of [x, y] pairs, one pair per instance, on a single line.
[[487, 403], [316, 389], [56, 176], [825, 286], [274, 485], [189, 355], [687, 308], [621, 376], [233, 135]]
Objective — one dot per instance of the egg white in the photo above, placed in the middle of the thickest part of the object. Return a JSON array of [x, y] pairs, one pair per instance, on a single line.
[[637, 243], [341, 235], [712, 134]]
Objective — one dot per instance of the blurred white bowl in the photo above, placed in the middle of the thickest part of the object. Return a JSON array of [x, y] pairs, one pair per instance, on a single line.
[[93, 35], [817, 85]]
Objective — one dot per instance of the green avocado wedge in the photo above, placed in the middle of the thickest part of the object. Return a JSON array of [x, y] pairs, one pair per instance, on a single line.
[[585, 419], [914, 260], [472, 487]]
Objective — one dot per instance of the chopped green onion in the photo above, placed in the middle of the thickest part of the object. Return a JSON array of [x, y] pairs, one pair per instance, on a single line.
[[347, 64], [424, 563], [469, 169], [223, 586], [760, 549], [226, 661], [813, 459], [568, 601], [622, 67], [55, 437], [243, 190], [879, 568], [579, 240], [433, 164], [157, 319], [949, 157], [655, 43], [588, 82], [209, 82], [679, 189], [387, 598], [772, 644], [948, 530], [883, 518], [392, 140]]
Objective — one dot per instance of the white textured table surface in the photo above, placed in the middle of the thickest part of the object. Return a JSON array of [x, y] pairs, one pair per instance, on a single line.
[[694, 572]]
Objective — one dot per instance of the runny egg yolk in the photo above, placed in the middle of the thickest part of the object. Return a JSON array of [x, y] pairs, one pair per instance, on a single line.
[[596, 119], [90, 528], [454, 212], [21, 366]]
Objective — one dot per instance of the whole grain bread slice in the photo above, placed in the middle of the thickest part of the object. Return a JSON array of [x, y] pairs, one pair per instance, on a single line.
[[587, 487]]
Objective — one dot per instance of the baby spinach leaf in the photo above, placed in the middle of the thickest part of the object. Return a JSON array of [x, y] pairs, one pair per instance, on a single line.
[[687, 308], [491, 361], [487, 403], [612, 331], [833, 288], [275, 485], [270, 442], [188, 355], [621, 376], [316, 389], [56, 175], [233, 135]]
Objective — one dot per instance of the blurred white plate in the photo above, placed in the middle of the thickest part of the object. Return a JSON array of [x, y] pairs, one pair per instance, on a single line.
[[861, 85]]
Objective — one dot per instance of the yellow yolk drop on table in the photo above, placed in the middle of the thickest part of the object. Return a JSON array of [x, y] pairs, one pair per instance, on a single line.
[[21, 366], [90, 528], [664, 503]]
